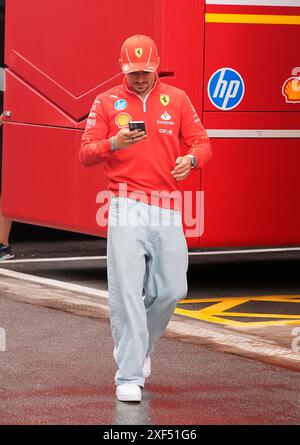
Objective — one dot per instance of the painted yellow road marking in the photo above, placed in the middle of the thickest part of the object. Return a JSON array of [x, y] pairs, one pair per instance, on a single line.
[[262, 19], [219, 308], [256, 315]]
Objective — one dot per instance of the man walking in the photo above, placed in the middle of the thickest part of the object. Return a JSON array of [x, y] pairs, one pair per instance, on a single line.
[[147, 255]]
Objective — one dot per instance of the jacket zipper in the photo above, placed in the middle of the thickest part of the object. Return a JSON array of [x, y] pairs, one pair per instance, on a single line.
[[143, 100]]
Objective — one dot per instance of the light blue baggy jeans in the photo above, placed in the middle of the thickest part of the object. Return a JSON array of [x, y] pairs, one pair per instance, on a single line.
[[147, 262]]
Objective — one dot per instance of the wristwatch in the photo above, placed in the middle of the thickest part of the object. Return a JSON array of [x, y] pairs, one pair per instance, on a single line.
[[193, 160]]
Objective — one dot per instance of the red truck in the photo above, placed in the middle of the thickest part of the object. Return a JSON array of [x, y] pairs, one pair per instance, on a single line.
[[237, 60]]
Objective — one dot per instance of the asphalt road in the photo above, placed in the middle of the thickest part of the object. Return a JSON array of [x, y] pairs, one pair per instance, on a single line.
[[58, 369], [231, 275]]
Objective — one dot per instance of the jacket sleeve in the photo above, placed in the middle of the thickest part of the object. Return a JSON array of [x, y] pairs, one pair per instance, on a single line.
[[95, 145], [193, 134]]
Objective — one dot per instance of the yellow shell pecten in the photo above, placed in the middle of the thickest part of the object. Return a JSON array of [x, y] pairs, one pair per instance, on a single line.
[[291, 89]]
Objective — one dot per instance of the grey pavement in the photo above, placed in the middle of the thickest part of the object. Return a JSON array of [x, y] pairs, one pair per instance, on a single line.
[[58, 369], [232, 275], [58, 366]]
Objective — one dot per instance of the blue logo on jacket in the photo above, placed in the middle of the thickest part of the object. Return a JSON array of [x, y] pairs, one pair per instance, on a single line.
[[226, 88], [120, 104]]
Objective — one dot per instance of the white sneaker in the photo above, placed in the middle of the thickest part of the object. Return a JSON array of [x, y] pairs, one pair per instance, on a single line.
[[129, 392], [147, 367]]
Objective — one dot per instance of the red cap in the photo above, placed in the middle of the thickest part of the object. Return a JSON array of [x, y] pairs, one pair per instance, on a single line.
[[139, 53]]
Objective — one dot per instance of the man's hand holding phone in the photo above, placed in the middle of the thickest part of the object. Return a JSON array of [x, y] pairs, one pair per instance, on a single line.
[[137, 125], [129, 136]]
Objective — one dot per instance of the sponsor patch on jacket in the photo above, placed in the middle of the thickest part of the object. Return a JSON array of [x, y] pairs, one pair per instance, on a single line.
[[122, 120], [94, 106], [164, 99], [166, 119], [165, 131], [120, 104], [166, 116]]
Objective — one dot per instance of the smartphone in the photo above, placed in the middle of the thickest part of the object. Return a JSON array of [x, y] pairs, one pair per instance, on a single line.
[[137, 125]]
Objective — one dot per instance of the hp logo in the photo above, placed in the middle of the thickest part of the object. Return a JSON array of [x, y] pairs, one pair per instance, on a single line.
[[226, 88], [120, 104]]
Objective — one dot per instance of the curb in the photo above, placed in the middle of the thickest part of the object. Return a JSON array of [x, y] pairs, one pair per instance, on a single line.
[[85, 301]]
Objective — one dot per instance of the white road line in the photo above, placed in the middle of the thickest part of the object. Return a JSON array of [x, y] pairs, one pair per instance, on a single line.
[[103, 257], [54, 283], [41, 260]]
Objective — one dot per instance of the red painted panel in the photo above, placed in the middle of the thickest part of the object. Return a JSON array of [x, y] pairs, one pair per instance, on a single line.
[[78, 48], [250, 185], [252, 193], [27, 105], [183, 46], [55, 87], [43, 181], [70, 53], [264, 55], [249, 120]]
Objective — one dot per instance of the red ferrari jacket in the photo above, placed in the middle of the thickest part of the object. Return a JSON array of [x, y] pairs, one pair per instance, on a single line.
[[145, 168]]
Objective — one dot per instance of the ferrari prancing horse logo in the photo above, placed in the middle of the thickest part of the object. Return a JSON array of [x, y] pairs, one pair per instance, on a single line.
[[164, 99], [138, 52]]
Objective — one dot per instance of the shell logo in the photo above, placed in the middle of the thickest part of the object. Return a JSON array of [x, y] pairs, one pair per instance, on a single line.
[[123, 119], [291, 90]]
